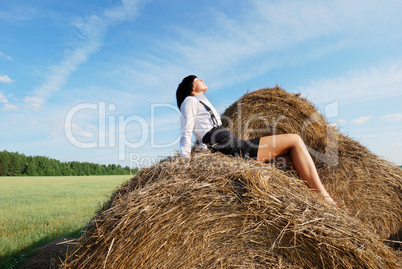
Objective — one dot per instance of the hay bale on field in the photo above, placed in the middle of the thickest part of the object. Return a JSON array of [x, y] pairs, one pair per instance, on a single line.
[[215, 211], [370, 187], [50, 256]]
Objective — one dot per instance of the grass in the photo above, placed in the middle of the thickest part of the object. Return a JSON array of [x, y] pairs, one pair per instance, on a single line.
[[37, 210]]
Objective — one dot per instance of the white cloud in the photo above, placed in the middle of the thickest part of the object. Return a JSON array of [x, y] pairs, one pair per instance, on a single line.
[[3, 99], [92, 30], [8, 107], [358, 85], [361, 120], [5, 79], [91, 127], [269, 34], [35, 102], [77, 130], [392, 117], [127, 11], [18, 13], [2, 55]]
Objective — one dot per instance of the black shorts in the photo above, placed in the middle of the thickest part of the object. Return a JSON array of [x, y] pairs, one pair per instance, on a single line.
[[220, 139]]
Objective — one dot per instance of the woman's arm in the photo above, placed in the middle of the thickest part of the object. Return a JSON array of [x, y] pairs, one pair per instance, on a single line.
[[188, 114]]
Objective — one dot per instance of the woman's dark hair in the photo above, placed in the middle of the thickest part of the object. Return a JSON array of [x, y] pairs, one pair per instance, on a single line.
[[184, 89]]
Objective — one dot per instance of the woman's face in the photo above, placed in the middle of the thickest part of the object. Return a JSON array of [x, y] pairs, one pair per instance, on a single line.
[[199, 87]]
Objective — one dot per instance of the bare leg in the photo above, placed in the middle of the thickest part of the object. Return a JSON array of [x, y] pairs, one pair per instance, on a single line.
[[283, 161], [292, 144]]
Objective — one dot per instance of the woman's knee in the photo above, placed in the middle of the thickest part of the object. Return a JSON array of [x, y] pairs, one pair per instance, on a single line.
[[295, 139], [298, 142]]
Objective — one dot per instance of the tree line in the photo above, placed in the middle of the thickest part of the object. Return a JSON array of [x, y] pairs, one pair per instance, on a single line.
[[16, 164]]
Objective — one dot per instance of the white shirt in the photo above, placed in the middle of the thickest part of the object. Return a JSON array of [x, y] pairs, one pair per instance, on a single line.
[[196, 119]]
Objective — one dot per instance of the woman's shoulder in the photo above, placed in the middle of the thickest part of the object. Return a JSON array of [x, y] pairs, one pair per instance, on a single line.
[[190, 100], [190, 103]]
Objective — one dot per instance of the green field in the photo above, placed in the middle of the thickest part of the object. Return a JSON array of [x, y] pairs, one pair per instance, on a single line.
[[37, 210]]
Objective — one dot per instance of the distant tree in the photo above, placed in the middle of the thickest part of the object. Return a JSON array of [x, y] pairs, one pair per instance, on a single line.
[[24, 164], [103, 169], [31, 169], [4, 163], [16, 164]]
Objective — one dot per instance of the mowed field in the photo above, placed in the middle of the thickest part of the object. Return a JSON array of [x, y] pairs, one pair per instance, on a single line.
[[37, 210]]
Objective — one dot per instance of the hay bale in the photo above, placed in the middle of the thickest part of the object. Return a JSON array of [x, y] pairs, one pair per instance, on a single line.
[[370, 187], [215, 211], [50, 256]]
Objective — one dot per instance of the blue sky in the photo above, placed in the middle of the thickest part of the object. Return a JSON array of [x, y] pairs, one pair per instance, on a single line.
[[95, 80]]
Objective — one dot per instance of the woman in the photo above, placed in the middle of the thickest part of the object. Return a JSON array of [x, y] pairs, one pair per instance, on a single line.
[[198, 116]]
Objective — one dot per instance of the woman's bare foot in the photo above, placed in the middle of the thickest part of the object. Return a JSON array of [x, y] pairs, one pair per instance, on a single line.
[[329, 199]]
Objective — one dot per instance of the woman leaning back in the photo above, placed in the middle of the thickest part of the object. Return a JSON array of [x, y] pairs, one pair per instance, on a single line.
[[198, 116]]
